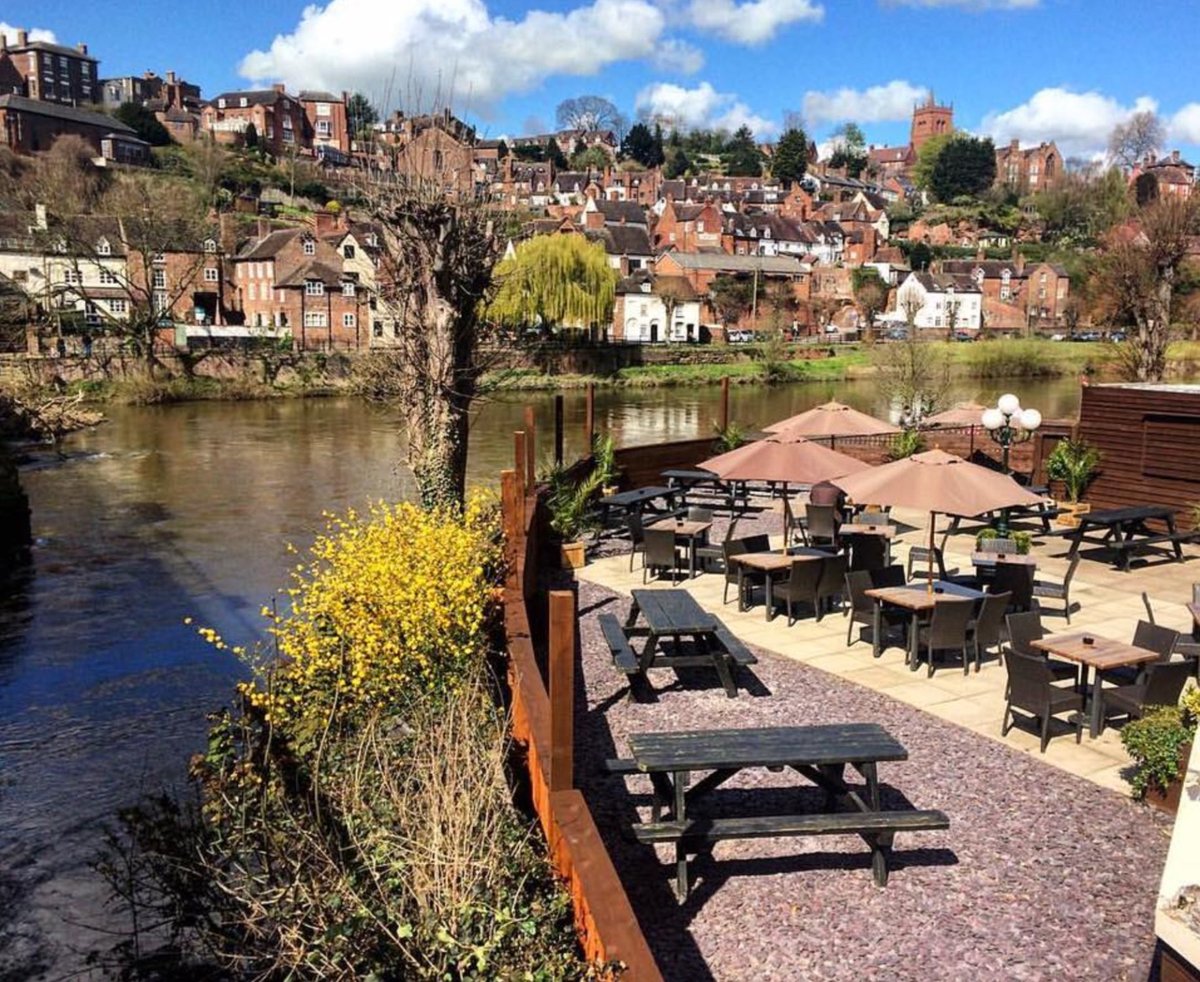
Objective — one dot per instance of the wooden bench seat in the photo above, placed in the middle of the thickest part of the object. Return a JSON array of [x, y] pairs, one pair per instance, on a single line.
[[623, 655], [740, 654], [1125, 547]]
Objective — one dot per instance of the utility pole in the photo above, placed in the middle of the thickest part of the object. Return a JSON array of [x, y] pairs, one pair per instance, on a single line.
[[754, 299]]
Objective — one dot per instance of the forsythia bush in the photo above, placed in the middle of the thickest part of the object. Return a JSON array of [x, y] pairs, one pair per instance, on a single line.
[[392, 606]]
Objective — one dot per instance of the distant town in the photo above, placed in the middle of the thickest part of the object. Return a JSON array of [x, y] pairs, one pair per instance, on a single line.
[[713, 237]]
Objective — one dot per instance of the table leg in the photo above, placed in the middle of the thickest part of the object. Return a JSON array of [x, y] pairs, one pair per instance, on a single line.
[[741, 588], [871, 776], [691, 557], [647, 656], [631, 620], [769, 596], [1096, 722], [877, 630], [722, 662], [914, 631], [681, 872]]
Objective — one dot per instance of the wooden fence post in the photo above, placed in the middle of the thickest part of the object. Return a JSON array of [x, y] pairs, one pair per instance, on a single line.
[[510, 503], [558, 429], [589, 417], [562, 690], [724, 402], [530, 448]]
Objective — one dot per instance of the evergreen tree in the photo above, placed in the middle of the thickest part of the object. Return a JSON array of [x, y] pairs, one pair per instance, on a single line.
[[966, 167], [742, 158], [640, 145], [501, 150], [677, 164], [790, 161], [144, 123], [250, 136], [658, 156], [360, 114], [555, 155]]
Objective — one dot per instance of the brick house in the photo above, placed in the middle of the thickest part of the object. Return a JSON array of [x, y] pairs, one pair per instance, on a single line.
[[1030, 170], [360, 246], [291, 280], [49, 72], [1176, 177], [1040, 290], [328, 120], [188, 281], [436, 156], [278, 119], [689, 228], [150, 90], [30, 126]]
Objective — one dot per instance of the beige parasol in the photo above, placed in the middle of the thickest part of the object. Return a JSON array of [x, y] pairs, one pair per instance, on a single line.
[[964, 414], [832, 419], [936, 481]]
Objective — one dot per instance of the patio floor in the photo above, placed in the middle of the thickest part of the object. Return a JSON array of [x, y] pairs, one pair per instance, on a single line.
[[1047, 869]]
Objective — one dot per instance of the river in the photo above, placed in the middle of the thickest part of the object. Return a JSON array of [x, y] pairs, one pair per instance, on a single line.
[[186, 511]]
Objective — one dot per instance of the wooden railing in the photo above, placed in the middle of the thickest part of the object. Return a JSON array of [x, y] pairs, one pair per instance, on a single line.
[[543, 724]]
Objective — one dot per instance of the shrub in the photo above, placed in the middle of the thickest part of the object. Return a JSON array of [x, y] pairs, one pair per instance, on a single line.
[[905, 444], [729, 437], [1156, 740]]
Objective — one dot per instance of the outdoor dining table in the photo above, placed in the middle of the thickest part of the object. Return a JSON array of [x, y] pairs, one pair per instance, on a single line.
[[675, 614], [819, 753], [1100, 654], [1125, 530], [855, 528], [918, 600], [770, 563], [690, 534], [635, 500]]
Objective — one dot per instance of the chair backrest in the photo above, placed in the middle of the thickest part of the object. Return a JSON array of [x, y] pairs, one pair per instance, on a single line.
[[920, 554], [633, 522], [1165, 681], [699, 514], [660, 547], [869, 552], [1016, 580], [757, 543], [805, 575], [1029, 677], [948, 625], [1023, 630], [821, 521], [833, 575], [857, 585], [888, 576], [990, 617], [1155, 637]]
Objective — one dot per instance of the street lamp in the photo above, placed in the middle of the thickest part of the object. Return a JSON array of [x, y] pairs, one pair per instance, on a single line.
[[1007, 424]]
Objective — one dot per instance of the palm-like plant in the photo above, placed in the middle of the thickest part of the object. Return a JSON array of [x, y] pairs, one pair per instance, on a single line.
[[1073, 462]]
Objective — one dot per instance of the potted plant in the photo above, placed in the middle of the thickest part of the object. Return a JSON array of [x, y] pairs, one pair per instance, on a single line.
[[569, 502], [1160, 744], [604, 460], [1074, 463]]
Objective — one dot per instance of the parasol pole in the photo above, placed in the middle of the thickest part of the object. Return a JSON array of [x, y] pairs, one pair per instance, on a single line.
[[787, 518], [929, 565]]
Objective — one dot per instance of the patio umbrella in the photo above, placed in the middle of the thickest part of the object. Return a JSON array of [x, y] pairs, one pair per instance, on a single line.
[[964, 414], [832, 419], [783, 459], [935, 481]]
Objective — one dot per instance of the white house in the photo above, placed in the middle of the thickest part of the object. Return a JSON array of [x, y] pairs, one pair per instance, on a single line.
[[945, 301], [649, 310]]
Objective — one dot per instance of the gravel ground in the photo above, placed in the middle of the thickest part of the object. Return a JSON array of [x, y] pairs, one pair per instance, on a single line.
[[1041, 875]]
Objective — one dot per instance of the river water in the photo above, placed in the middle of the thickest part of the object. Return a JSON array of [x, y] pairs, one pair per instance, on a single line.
[[186, 511]]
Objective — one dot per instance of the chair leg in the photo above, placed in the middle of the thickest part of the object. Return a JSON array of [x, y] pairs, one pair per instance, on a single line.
[[1045, 729], [1067, 608], [849, 631], [725, 593], [929, 657], [1006, 723]]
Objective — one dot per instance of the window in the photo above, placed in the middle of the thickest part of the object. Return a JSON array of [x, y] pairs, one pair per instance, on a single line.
[[322, 127], [377, 329], [72, 277], [212, 274], [243, 102], [116, 306], [287, 122], [314, 288], [314, 318], [310, 247], [103, 248], [323, 108], [252, 292], [348, 251], [220, 103], [161, 303], [210, 245], [160, 279], [85, 68], [158, 258], [107, 277], [347, 320], [348, 288]]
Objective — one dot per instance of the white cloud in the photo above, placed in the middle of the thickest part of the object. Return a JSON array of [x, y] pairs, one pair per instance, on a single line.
[[1079, 122], [970, 4], [879, 103], [678, 56], [35, 33], [451, 51], [702, 107], [1184, 126], [754, 22]]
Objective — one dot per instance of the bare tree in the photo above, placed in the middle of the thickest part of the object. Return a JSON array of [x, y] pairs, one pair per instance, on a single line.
[[1137, 277], [1141, 134], [590, 112]]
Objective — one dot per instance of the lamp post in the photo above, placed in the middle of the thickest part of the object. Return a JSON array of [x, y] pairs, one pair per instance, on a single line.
[[1007, 424]]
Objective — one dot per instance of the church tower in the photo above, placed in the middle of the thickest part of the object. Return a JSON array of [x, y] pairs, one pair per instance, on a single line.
[[929, 120]]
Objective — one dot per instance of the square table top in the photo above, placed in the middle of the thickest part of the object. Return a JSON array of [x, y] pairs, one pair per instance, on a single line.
[[774, 561], [698, 474], [680, 528], [858, 528], [674, 612], [1002, 559], [765, 747], [1103, 653], [1119, 516], [637, 495], [916, 595]]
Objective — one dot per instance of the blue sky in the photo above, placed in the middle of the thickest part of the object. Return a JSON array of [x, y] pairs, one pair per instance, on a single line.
[[1066, 70]]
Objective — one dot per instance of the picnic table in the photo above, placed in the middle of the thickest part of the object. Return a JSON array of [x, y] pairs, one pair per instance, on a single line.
[[917, 599], [819, 753], [673, 614], [1101, 654], [1126, 531], [690, 533], [685, 479], [770, 563], [635, 500]]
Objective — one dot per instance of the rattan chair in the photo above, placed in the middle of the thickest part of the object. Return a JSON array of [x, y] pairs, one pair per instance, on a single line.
[[946, 630], [1161, 686], [1046, 590], [821, 525], [1031, 688], [801, 585], [662, 553], [1023, 629], [735, 547], [637, 537], [985, 629]]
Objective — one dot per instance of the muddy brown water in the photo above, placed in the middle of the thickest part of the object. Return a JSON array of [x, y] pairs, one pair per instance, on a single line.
[[185, 511]]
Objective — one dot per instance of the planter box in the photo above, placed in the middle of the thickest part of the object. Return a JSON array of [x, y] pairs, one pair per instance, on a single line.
[[1168, 801], [1071, 510], [1181, 873], [573, 555]]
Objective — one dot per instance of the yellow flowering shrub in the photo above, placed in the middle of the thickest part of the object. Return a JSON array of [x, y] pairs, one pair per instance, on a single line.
[[390, 606]]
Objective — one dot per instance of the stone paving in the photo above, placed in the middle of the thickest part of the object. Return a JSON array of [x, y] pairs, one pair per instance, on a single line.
[[1048, 868]]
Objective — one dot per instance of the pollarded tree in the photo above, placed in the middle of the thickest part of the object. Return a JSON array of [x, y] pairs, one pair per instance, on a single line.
[[555, 280], [871, 294], [966, 167], [790, 161]]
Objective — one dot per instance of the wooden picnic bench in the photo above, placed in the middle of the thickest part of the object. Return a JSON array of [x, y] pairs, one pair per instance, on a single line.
[[1126, 532], [819, 753]]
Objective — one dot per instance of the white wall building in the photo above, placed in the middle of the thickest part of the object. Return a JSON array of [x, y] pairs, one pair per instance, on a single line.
[[943, 301]]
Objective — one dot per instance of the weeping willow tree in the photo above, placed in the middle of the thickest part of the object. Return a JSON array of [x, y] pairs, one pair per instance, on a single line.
[[554, 280]]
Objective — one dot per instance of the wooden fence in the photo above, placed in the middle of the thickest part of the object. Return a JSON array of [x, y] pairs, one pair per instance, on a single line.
[[543, 724]]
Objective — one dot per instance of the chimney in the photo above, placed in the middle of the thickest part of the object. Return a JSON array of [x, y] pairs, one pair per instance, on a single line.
[[22, 38], [1174, 156], [1014, 145], [170, 78], [279, 87], [39, 212], [324, 223], [264, 226], [81, 48]]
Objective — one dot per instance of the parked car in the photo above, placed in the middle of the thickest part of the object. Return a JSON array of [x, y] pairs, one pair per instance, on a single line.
[[1058, 337], [1088, 336], [897, 334], [963, 336], [739, 336], [1116, 337]]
